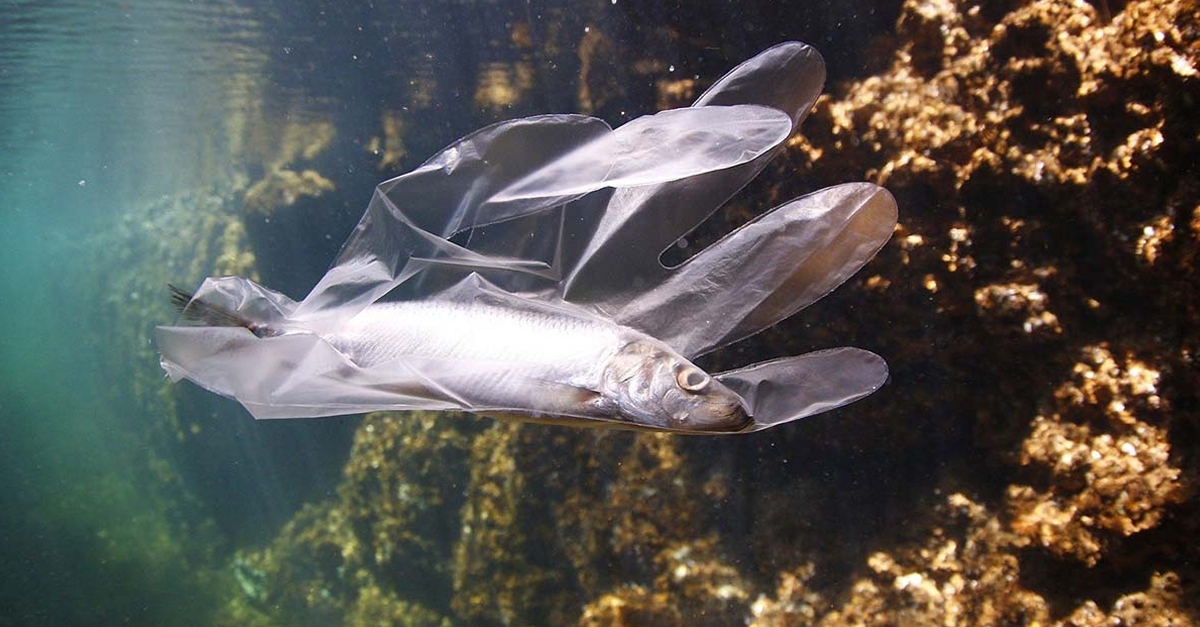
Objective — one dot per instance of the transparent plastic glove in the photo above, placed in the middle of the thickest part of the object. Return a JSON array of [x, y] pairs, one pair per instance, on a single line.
[[558, 217], [517, 168], [757, 275], [607, 255]]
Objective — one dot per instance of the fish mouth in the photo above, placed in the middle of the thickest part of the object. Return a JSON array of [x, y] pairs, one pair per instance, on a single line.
[[723, 416]]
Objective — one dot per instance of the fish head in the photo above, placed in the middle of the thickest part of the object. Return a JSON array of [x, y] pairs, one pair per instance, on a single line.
[[654, 386]]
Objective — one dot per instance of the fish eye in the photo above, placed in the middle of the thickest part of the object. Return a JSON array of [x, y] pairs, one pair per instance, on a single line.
[[692, 378]]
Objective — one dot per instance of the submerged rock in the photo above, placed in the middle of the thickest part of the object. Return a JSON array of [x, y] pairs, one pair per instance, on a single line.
[[1042, 298]]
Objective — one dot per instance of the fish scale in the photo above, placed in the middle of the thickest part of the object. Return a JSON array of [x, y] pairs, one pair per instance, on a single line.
[[500, 352], [387, 331]]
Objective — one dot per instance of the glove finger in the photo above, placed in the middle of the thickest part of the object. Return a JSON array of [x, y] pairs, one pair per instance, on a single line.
[[766, 270], [792, 388]]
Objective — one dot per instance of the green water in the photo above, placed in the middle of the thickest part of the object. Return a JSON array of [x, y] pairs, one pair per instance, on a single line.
[[101, 106]]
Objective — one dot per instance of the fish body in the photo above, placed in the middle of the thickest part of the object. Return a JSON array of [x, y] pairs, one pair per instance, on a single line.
[[509, 358], [386, 331], [545, 364]]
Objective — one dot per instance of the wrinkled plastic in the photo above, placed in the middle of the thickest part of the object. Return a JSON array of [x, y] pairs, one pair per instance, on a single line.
[[563, 216]]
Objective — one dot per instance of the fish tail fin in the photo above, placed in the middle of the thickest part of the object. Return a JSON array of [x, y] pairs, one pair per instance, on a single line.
[[198, 310]]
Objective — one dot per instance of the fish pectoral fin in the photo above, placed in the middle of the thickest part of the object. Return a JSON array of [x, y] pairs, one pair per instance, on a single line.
[[583, 396], [558, 398], [572, 400], [557, 404]]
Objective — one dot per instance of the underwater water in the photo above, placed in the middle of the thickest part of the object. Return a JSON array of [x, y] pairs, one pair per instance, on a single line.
[[1032, 459]]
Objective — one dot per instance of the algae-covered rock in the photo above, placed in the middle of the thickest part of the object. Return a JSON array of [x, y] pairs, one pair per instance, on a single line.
[[389, 146], [284, 150], [960, 566], [1039, 307], [378, 553], [503, 572], [282, 188], [965, 571], [1166, 602], [379, 608], [556, 517], [1102, 460], [145, 526], [501, 85], [630, 606]]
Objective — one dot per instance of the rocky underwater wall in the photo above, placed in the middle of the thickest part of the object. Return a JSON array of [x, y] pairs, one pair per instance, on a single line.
[[1032, 462]]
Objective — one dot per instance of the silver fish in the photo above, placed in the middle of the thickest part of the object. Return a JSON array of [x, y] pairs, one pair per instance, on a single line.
[[533, 364]]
